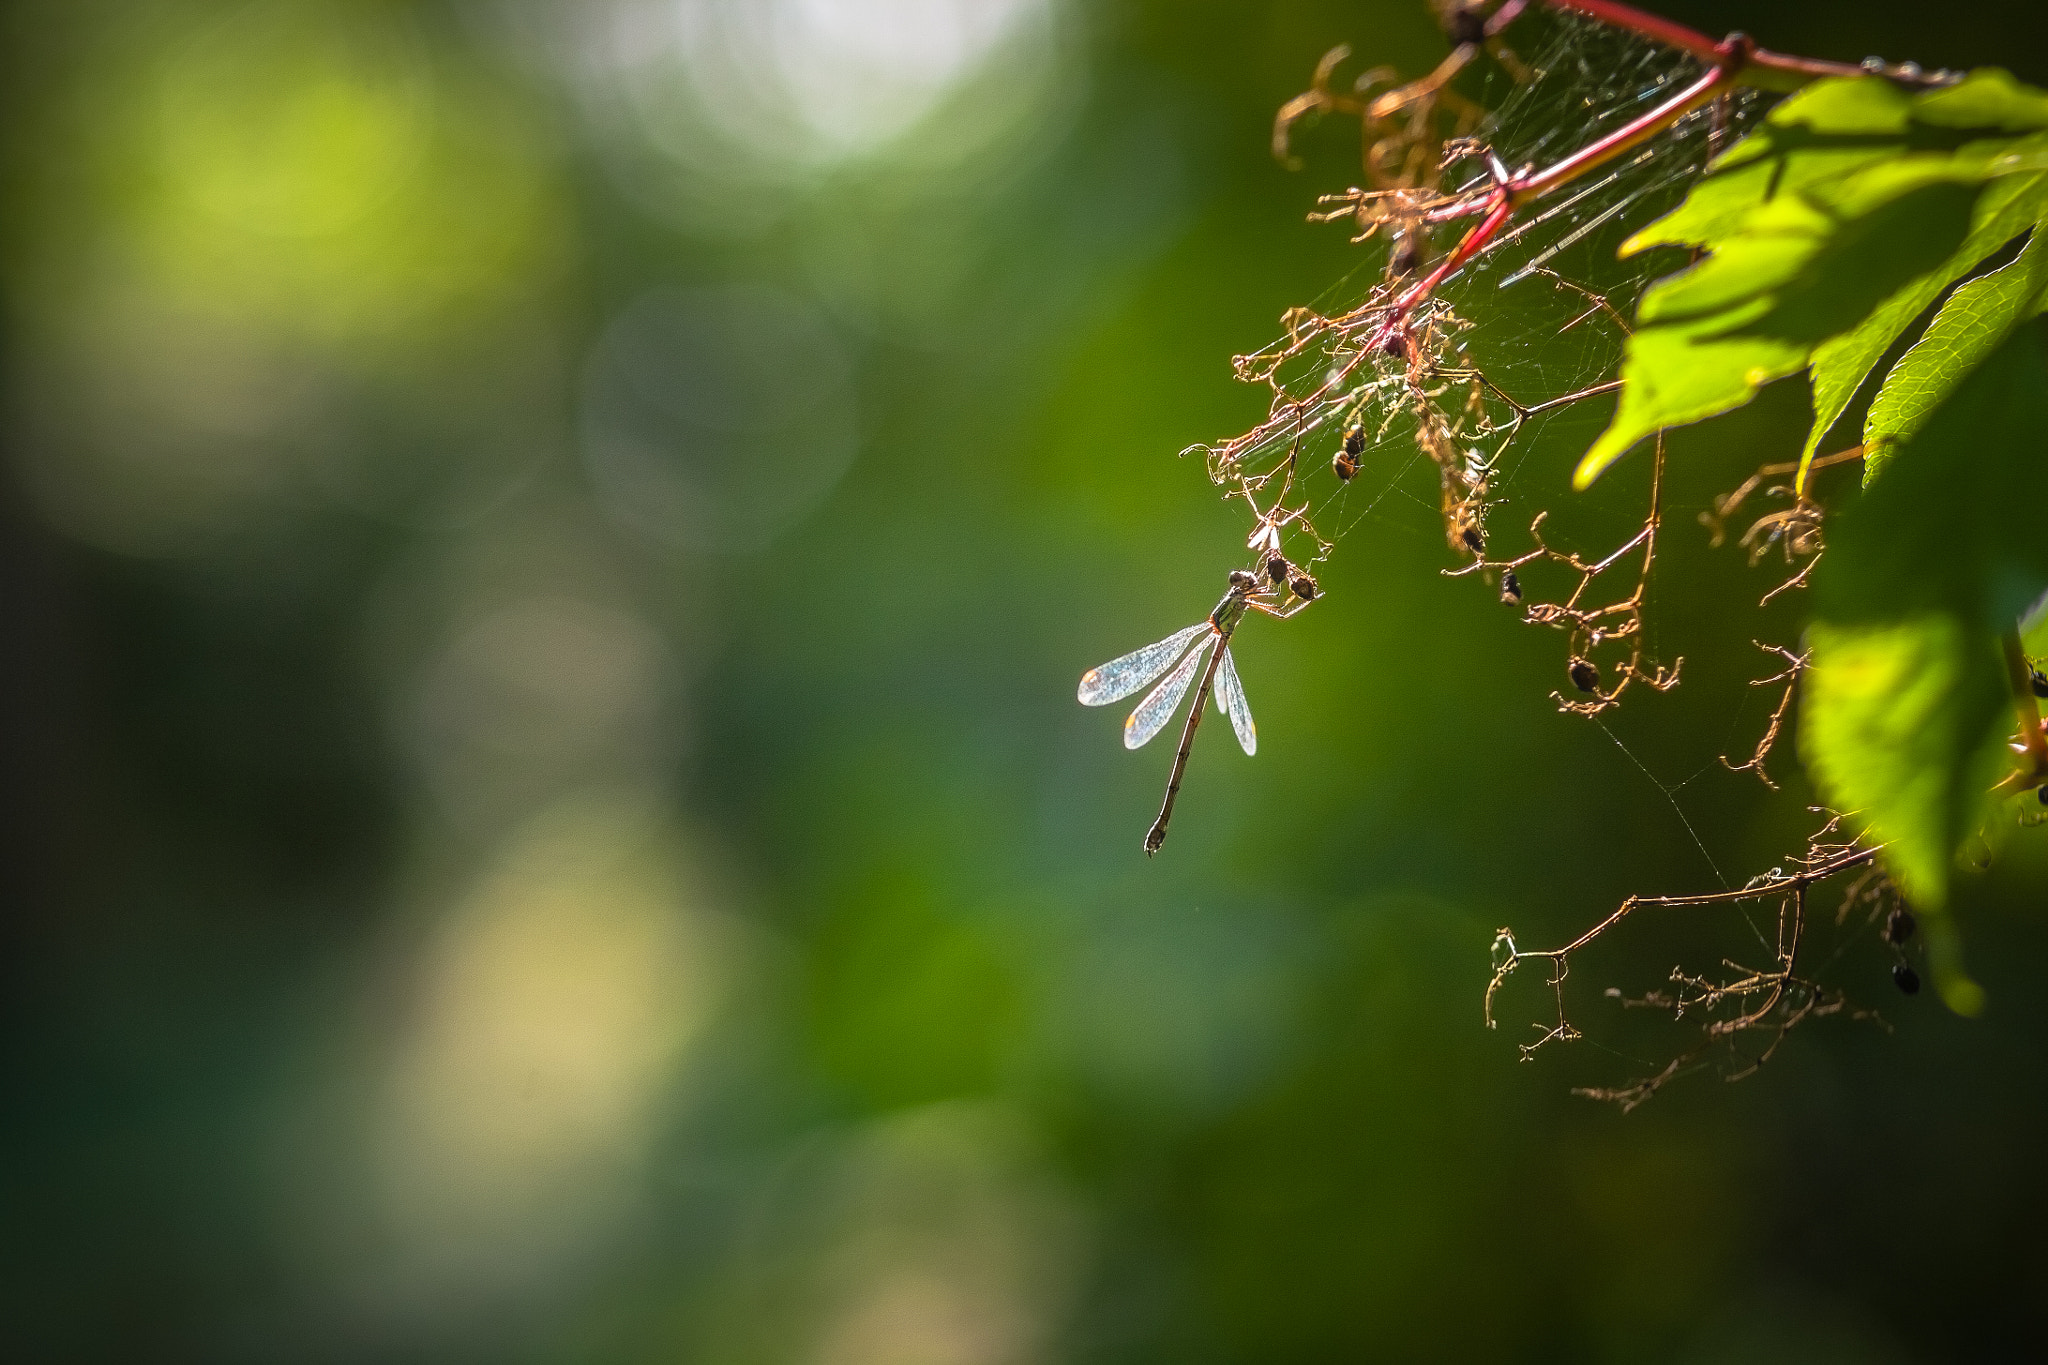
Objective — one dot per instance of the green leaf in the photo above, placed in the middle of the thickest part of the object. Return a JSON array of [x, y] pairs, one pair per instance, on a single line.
[[1829, 130], [1901, 724], [1840, 364], [1990, 99], [1906, 708], [1974, 322], [1711, 336], [1952, 522], [1843, 216]]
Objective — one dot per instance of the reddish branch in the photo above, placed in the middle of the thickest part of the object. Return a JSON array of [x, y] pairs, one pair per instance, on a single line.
[[1764, 69]]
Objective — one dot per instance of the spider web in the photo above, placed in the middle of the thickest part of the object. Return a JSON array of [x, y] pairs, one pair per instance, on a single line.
[[1537, 315], [1529, 330]]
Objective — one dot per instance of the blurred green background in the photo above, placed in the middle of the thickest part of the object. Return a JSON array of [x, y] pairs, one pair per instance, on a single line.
[[545, 553]]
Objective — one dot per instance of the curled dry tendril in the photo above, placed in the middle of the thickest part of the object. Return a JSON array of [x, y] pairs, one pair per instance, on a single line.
[[1743, 1012]]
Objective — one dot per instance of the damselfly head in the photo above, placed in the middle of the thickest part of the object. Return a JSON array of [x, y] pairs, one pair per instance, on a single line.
[[1240, 581]]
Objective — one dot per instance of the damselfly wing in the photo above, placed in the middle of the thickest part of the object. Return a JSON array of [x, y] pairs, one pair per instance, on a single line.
[[1230, 701], [1202, 651], [1119, 678]]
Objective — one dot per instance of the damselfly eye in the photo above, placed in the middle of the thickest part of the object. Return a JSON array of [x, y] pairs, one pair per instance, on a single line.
[[1898, 926], [1905, 978], [1276, 569], [1242, 581], [1304, 587], [1585, 675], [1510, 587]]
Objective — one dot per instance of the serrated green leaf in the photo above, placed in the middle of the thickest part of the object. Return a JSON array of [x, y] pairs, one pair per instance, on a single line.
[[1841, 363], [1824, 135], [1826, 163], [1828, 130], [1711, 336], [1974, 322], [1905, 707], [1901, 724], [1988, 99]]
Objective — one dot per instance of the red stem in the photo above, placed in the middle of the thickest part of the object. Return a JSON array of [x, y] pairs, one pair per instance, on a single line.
[[1500, 205], [1729, 61], [1764, 69]]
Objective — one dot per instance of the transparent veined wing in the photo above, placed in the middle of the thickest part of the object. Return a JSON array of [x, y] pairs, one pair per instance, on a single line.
[[1230, 701], [1153, 712], [1119, 678]]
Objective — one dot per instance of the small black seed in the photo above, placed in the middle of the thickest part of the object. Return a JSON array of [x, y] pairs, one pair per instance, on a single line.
[[2042, 792], [1474, 541], [1585, 675], [1898, 926], [1304, 587], [1510, 587], [2040, 683], [1905, 978]]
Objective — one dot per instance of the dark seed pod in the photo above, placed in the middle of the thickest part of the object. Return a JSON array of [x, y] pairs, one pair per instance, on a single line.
[[1510, 587], [1344, 465], [1898, 926], [1585, 675], [1465, 25], [2039, 680], [1304, 587], [1905, 978], [1276, 569], [1474, 540], [1407, 255]]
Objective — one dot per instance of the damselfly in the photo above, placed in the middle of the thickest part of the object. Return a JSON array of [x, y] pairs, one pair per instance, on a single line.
[[1210, 641]]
